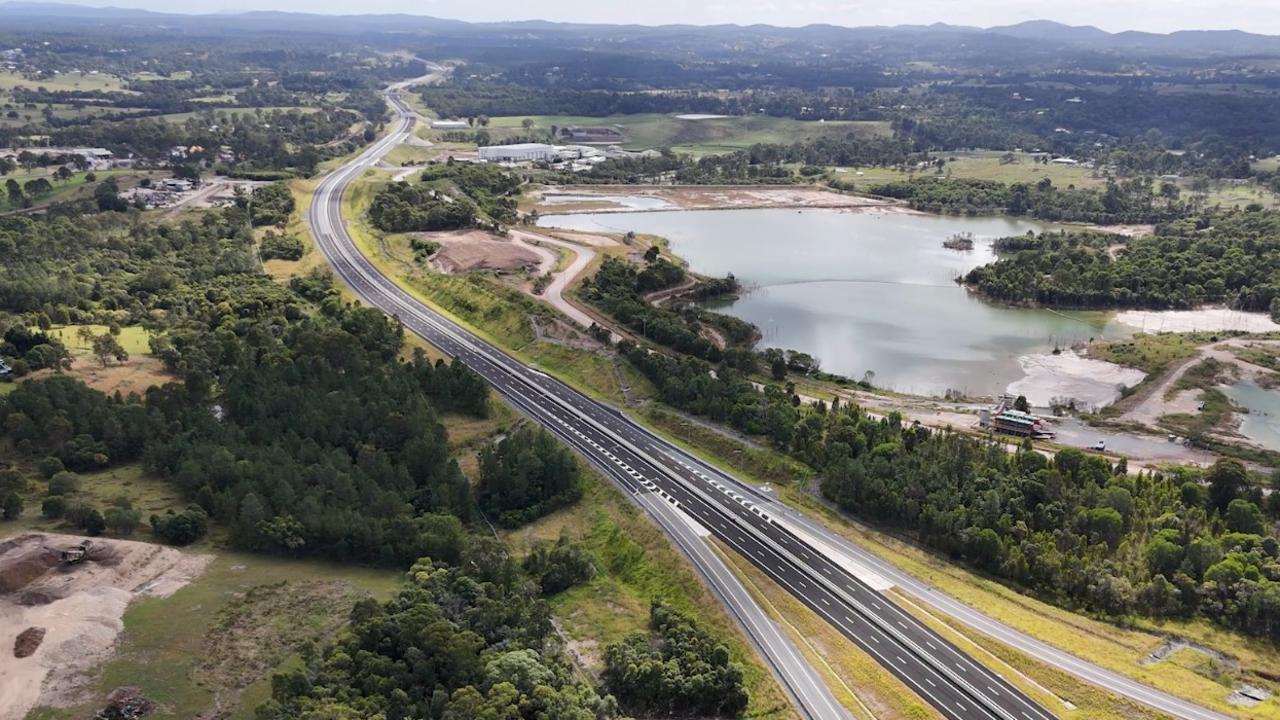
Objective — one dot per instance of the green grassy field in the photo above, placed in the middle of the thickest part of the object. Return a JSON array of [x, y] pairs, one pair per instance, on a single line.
[[75, 187], [696, 136], [225, 633], [61, 111], [980, 165], [149, 76], [65, 81], [183, 117], [134, 339]]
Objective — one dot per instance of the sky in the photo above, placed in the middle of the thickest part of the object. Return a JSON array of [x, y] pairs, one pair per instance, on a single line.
[[1114, 15]]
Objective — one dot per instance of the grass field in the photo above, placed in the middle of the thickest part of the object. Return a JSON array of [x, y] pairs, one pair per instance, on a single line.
[[188, 653], [980, 165], [75, 187], [498, 313], [697, 136], [636, 562], [183, 117], [66, 81], [133, 338], [60, 111]]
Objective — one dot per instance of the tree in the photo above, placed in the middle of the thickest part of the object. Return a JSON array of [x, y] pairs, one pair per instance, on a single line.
[[1243, 516], [14, 191], [778, 369], [527, 123], [11, 508], [106, 347], [1021, 405], [94, 523], [63, 173], [1227, 480], [122, 521]]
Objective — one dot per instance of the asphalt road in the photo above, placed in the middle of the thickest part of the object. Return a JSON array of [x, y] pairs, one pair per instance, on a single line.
[[661, 475], [811, 696]]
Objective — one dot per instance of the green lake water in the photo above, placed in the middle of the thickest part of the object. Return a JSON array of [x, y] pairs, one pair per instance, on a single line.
[[876, 292]]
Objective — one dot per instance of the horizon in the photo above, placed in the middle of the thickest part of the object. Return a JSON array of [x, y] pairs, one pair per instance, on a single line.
[[1133, 16]]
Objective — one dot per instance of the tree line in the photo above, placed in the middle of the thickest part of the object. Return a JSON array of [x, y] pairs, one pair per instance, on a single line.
[[1071, 529], [1219, 257]]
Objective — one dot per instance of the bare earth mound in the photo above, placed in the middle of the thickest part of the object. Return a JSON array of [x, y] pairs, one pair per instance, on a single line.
[[468, 250], [78, 606], [702, 197]]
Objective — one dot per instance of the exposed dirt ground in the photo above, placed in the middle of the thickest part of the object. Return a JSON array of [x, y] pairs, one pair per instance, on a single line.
[[134, 375], [467, 250], [716, 197], [80, 607]]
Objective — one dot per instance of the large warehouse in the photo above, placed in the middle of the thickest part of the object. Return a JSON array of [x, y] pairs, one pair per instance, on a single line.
[[520, 152]]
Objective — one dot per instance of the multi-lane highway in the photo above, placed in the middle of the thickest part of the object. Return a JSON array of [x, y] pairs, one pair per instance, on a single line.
[[690, 499]]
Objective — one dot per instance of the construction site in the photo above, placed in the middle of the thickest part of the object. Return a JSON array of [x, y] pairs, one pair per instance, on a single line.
[[62, 604]]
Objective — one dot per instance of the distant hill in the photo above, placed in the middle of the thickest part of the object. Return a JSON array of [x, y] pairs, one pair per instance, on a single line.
[[1039, 32]]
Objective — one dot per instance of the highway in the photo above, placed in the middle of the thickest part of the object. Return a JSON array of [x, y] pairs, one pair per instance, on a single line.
[[663, 479]]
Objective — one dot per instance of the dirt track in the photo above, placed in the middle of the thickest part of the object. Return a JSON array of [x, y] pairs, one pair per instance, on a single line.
[[80, 608]]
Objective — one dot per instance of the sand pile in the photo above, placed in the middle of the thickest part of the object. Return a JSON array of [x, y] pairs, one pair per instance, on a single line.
[[66, 618]]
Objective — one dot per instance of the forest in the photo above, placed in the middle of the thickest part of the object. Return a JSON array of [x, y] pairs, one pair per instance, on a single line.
[[1125, 201], [619, 289], [1230, 257], [447, 197], [473, 639], [1071, 529]]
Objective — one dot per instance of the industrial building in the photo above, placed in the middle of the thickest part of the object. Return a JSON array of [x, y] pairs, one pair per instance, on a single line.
[[604, 135], [449, 125], [520, 152]]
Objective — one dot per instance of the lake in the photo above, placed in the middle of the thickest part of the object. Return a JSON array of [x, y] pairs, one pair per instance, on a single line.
[[1261, 420], [876, 291]]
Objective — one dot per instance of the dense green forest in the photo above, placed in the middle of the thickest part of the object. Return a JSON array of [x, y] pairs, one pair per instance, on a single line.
[[463, 642], [295, 422], [618, 288], [1129, 201], [1230, 257], [447, 197], [1072, 529], [473, 639]]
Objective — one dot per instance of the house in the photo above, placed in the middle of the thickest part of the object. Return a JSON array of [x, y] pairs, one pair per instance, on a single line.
[[176, 185], [520, 152], [449, 125], [5, 370], [603, 135], [1064, 161]]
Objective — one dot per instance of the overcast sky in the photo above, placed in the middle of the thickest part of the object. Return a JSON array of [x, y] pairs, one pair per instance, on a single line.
[[1152, 15]]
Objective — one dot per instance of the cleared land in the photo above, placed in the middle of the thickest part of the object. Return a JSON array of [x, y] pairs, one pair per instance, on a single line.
[[711, 135], [63, 81], [980, 165], [469, 250], [598, 198], [75, 609]]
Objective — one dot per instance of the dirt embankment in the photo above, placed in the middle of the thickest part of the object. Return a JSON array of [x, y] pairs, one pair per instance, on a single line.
[[468, 250], [704, 197], [59, 619]]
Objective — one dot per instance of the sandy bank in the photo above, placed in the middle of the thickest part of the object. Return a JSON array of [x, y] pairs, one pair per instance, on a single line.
[[611, 198], [1204, 319], [1091, 383]]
